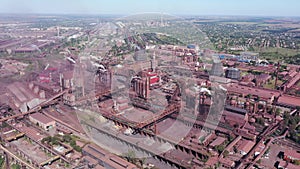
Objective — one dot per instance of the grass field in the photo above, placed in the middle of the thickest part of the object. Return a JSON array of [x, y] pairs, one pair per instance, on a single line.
[[240, 23], [183, 31], [270, 85], [276, 54]]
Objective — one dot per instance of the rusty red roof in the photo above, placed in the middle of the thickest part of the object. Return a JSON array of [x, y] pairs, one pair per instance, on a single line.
[[218, 141], [293, 81], [41, 118], [246, 146], [292, 154], [263, 93], [289, 100]]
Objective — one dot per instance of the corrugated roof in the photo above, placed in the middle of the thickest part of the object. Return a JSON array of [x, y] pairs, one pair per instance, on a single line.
[[246, 146], [218, 141], [41, 118], [289, 100], [292, 153], [253, 91]]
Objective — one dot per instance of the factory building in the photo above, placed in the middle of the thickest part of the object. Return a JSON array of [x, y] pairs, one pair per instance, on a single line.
[[154, 79], [249, 56], [104, 75], [43, 121], [67, 80], [217, 68], [233, 73], [144, 81], [141, 86], [96, 157], [25, 97]]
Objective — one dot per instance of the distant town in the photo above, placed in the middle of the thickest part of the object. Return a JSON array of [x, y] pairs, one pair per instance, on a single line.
[[149, 91]]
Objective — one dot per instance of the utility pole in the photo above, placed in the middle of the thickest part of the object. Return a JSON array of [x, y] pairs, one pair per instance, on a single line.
[[277, 71]]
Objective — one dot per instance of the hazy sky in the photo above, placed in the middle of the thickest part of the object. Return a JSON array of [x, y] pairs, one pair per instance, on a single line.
[[177, 7]]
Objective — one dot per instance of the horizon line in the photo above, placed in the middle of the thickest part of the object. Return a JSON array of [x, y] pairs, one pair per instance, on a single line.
[[120, 14]]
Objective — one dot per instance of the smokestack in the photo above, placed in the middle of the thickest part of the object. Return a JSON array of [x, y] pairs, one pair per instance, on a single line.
[[61, 81], [277, 71], [161, 20], [50, 76], [153, 66], [88, 34], [82, 79]]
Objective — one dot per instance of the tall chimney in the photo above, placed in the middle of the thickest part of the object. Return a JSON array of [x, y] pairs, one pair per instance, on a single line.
[[58, 31], [151, 63], [61, 81], [154, 62]]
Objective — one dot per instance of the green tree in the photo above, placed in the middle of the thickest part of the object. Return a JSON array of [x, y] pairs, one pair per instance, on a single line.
[[15, 166], [1, 161], [55, 140], [249, 96], [260, 121], [72, 143], [77, 148], [230, 138], [277, 111], [219, 148], [226, 153], [217, 165], [130, 156], [297, 162], [67, 138]]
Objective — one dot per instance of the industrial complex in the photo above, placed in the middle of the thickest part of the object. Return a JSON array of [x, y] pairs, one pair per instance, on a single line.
[[109, 94]]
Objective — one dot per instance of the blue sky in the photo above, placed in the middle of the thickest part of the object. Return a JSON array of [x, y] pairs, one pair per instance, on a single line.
[[177, 7]]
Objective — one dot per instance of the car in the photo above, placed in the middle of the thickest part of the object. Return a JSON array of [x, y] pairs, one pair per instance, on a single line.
[[150, 165]]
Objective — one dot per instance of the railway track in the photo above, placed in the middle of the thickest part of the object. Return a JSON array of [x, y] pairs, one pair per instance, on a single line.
[[139, 147]]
